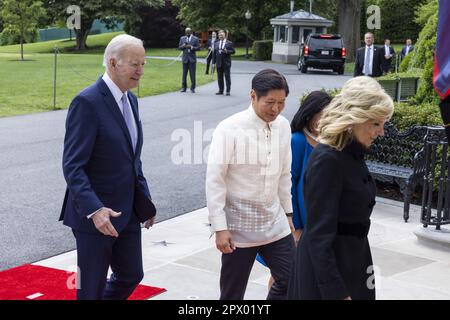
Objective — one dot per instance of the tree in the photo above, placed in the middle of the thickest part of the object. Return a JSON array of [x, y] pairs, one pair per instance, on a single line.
[[423, 54], [349, 16], [21, 16], [205, 14], [146, 24], [230, 15], [1, 17], [105, 10], [398, 21]]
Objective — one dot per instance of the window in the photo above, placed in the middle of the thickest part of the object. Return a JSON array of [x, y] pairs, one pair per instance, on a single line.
[[296, 34], [306, 33], [283, 34]]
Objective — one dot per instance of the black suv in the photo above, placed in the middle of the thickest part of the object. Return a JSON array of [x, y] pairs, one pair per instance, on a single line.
[[322, 51]]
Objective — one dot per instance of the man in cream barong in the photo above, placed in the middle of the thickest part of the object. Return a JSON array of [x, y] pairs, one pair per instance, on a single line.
[[248, 189]]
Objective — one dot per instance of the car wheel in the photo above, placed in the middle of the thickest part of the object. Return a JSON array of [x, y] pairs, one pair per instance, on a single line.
[[299, 64], [302, 67], [341, 70]]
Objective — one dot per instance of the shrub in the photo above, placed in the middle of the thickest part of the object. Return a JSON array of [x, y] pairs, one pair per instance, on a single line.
[[408, 115], [404, 65], [262, 50], [9, 36]]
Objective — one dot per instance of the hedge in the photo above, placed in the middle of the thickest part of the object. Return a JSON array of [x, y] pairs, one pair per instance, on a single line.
[[262, 50]]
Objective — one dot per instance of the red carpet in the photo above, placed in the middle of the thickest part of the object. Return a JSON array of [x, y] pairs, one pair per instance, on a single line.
[[42, 283]]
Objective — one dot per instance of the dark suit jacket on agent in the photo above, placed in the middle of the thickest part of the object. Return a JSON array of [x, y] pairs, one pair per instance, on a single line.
[[378, 57], [222, 61], [102, 170], [387, 63], [403, 53], [189, 59]]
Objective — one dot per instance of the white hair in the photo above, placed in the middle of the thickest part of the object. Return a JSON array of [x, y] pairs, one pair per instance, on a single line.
[[117, 46]]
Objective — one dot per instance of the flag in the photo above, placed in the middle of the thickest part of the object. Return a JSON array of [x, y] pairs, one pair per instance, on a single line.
[[441, 77]]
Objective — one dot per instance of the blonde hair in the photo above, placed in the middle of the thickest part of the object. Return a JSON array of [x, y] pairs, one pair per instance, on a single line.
[[361, 99]]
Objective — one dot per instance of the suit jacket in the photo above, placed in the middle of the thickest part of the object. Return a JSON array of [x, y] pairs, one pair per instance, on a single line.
[[392, 51], [387, 62], [220, 58], [99, 165], [189, 55], [403, 53], [378, 57], [211, 43]]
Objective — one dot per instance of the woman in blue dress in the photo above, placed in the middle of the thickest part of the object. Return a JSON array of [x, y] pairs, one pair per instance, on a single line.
[[304, 129]]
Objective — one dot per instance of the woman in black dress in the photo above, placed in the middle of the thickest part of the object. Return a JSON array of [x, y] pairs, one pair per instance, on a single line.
[[333, 259]]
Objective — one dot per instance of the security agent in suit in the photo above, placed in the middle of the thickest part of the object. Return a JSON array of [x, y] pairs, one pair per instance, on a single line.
[[189, 44], [389, 56], [210, 45], [105, 182], [222, 59], [407, 49], [372, 66]]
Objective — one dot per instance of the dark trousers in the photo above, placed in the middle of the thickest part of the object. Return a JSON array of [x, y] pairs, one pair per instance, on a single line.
[[191, 67], [221, 72], [95, 253], [387, 66], [208, 61], [236, 268]]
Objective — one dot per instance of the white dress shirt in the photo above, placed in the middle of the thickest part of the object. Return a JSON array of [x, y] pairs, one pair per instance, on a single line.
[[115, 91], [370, 59], [248, 179], [387, 51]]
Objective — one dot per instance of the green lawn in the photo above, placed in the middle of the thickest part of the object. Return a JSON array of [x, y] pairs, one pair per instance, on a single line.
[[96, 44], [27, 86]]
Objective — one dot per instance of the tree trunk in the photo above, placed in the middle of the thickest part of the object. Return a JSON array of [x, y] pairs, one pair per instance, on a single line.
[[82, 34], [349, 15]]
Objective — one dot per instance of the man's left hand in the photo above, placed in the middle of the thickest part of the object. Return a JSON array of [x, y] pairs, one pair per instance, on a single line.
[[149, 223]]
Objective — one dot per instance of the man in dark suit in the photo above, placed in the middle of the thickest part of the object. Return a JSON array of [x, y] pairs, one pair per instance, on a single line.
[[407, 49], [211, 43], [222, 59], [389, 54], [103, 171], [368, 58], [189, 44]]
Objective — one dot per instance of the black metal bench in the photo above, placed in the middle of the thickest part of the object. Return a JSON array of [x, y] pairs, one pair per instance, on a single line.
[[399, 157]]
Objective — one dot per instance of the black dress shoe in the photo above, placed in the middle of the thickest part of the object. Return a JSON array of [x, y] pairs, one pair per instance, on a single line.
[[183, 90], [228, 93], [219, 93], [192, 91]]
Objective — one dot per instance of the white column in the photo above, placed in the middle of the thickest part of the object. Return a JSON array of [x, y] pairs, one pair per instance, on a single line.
[[291, 32]]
